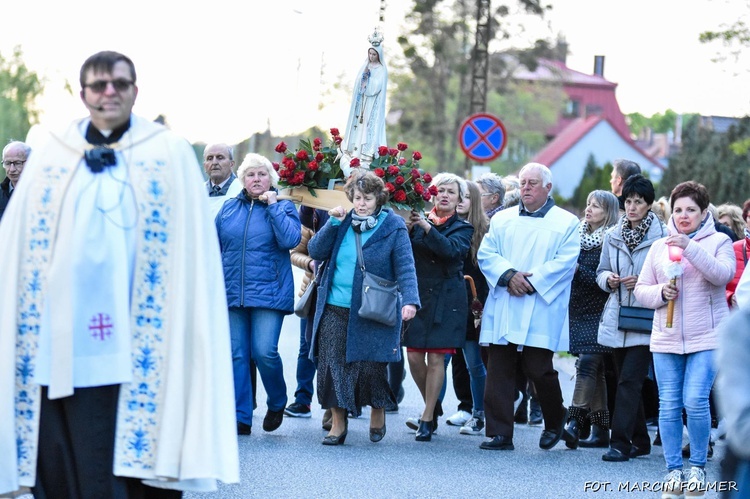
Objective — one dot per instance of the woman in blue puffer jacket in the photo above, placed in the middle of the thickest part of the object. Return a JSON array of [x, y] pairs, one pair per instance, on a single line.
[[256, 232]]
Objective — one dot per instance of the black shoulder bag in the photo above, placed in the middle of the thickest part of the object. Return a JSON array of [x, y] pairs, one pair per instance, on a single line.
[[634, 319], [379, 296]]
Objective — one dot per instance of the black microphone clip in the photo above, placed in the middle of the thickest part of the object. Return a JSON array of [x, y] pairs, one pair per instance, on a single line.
[[99, 158]]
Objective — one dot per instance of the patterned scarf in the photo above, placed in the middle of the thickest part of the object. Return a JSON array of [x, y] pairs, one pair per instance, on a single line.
[[590, 240], [433, 217], [634, 236], [362, 224]]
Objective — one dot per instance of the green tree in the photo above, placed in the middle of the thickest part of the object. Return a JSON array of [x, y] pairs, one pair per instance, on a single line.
[[19, 89], [594, 177], [658, 123], [710, 158], [432, 82]]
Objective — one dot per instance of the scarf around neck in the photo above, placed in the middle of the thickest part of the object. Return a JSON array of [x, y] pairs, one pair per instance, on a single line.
[[634, 236], [362, 224], [433, 217], [590, 240]]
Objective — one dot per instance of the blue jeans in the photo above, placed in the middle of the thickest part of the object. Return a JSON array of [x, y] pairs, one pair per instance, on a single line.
[[477, 372], [684, 381], [255, 334], [305, 368]]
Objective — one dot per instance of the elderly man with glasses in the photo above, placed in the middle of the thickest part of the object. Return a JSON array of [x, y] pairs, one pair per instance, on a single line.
[[15, 155]]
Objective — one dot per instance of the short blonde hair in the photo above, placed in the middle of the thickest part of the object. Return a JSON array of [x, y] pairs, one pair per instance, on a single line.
[[253, 160], [452, 178]]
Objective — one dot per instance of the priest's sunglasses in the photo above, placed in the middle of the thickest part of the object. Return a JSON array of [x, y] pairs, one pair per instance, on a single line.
[[99, 86]]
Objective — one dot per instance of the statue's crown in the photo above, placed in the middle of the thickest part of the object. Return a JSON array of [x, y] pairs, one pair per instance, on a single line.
[[376, 38]]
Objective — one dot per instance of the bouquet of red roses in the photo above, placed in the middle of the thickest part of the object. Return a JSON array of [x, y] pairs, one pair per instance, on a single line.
[[409, 185], [312, 165]]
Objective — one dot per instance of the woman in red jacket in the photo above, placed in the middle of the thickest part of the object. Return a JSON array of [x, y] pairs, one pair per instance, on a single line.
[[741, 250]]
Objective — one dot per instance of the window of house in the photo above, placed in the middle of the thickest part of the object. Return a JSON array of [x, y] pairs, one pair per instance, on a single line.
[[572, 109]]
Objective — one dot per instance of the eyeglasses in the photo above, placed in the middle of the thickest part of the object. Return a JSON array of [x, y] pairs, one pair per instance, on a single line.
[[99, 86], [488, 194], [12, 164]]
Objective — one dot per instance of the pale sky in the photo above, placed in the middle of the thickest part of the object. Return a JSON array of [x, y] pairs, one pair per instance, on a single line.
[[222, 70]]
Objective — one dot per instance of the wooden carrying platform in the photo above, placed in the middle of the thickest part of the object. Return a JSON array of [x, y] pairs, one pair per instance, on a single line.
[[324, 199]]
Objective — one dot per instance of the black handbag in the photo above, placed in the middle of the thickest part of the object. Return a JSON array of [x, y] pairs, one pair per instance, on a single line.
[[634, 319], [307, 301], [379, 296]]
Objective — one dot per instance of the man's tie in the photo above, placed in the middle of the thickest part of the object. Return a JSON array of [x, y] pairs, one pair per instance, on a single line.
[[215, 191]]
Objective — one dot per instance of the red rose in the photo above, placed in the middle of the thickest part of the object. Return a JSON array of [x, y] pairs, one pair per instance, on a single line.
[[399, 196], [401, 146], [354, 163], [415, 173], [390, 187], [417, 155], [419, 188], [427, 179], [335, 132], [299, 177], [337, 139], [393, 170], [312, 166], [281, 147], [433, 190], [427, 196], [399, 180], [393, 152], [317, 141], [319, 157], [302, 155], [383, 151], [379, 172], [275, 166]]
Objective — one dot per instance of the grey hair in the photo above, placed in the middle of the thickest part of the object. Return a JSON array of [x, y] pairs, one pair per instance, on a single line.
[[624, 168], [452, 178], [253, 160], [493, 184], [230, 150], [610, 204], [17, 143], [538, 167]]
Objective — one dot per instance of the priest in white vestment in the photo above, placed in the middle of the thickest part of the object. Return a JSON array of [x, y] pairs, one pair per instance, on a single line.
[[115, 360], [529, 257]]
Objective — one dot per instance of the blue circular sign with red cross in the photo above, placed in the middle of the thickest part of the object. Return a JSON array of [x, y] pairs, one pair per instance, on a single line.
[[482, 137]]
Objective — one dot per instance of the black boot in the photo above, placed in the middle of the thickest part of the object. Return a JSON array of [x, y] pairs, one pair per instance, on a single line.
[[599, 430], [576, 421]]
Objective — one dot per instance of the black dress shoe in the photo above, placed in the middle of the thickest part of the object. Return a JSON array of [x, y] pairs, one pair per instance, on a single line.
[[244, 429], [498, 442], [377, 434], [273, 420], [614, 456], [424, 432], [335, 439], [550, 438], [638, 452]]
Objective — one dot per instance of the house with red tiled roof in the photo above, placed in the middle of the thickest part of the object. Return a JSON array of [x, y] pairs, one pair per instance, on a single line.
[[591, 124]]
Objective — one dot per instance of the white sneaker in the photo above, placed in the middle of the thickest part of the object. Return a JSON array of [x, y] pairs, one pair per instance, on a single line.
[[474, 426], [517, 402], [672, 485], [695, 482], [459, 419], [412, 423]]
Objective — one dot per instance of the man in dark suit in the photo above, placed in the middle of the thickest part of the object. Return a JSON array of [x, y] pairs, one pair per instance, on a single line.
[[15, 155]]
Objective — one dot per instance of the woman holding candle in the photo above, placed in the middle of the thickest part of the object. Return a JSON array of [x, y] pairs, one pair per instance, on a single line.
[[683, 354]]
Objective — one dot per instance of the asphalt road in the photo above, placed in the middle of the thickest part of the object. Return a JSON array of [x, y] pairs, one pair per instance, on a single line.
[[291, 462]]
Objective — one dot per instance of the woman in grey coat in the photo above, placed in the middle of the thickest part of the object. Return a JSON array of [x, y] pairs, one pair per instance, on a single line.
[[624, 250], [351, 352]]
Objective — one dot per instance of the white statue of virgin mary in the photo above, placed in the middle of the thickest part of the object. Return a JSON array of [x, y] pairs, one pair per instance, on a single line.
[[365, 128]]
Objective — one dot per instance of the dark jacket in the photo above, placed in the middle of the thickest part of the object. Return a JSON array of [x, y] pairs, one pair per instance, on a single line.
[[387, 254], [439, 258], [5, 194], [587, 301], [255, 240]]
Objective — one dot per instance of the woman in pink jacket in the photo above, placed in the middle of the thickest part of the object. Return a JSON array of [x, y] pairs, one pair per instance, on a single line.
[[684, 352]]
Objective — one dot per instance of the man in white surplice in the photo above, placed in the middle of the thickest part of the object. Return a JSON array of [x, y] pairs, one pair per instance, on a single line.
[[115, 363], [529, 257]]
